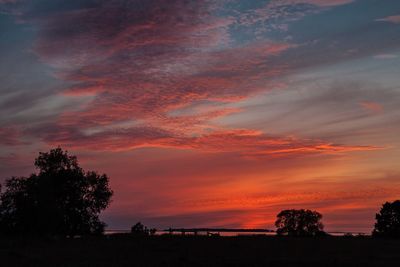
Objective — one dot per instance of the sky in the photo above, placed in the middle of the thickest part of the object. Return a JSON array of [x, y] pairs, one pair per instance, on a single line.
[[214, 113]]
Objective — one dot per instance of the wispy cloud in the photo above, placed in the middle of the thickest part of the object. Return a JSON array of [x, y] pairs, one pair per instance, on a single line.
[[385, 56], [322, 3], [140, 62], [372, 106], [10, 136], [248, 143], [392, 19]]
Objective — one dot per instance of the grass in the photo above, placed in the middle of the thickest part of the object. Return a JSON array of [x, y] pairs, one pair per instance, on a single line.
[[124, 250]]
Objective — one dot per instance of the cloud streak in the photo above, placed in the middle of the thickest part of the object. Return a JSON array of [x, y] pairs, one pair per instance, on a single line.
[[392, 19]]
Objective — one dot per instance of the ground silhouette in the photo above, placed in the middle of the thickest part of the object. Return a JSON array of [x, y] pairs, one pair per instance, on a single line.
[[176, 250]]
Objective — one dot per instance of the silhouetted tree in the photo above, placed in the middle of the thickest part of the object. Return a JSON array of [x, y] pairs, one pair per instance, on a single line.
[[61, 199], [388, 220], [299, 223], [140, 230], [152, 231]]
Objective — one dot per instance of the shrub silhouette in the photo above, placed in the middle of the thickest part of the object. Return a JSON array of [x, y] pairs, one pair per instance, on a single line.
[[388, 220], [152, 231], [299, 223], [140, 230], [61, 199]]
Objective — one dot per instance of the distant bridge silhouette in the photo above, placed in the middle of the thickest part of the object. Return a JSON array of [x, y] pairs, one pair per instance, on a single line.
[[227, 230], [216, 230], [232, 230]]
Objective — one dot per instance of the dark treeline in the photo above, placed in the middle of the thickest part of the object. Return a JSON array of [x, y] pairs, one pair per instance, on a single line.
[[62, 199]]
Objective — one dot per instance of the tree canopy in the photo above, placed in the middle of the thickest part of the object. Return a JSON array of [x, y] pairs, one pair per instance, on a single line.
[[388, 220], [299, 223], [141, 230], [60, 199]]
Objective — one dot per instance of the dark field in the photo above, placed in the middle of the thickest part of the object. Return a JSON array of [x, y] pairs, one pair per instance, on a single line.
[[123, 250]]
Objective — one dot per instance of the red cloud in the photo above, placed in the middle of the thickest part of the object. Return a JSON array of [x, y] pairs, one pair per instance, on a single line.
[[231, 75], [249, 143], [142, 63]]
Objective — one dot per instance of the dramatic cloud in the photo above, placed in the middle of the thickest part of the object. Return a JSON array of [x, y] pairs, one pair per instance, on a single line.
[[142, 61], [152, 59]]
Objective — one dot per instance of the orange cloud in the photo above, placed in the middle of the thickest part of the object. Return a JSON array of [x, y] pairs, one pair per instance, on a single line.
[[372, 106]]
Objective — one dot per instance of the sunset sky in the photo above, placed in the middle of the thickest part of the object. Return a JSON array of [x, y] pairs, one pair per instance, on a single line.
[[213, 113]]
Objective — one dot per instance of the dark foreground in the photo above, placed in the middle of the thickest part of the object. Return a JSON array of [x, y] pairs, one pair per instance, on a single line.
[[123, 250]]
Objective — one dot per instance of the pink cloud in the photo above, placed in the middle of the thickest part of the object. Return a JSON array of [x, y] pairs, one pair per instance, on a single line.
[[322, 3], [372, 106], [277, 10], [10, 136], [392, 19], [225, 76], [248, 143], [140, 67], [385, 56]]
